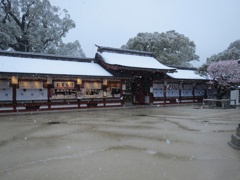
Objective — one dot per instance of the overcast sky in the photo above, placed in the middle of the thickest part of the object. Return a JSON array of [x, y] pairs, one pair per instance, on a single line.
[[211, 24]]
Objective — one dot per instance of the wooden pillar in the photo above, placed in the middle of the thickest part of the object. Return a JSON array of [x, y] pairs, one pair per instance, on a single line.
[[180, 91], [165, 91], [14, 101], [79, 103], [193, 91], [104, 102], [151, 92], [122, 90], [49, 96], [78, 90]]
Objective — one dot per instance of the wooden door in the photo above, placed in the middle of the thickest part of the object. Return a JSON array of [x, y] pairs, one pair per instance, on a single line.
[[140, 89]]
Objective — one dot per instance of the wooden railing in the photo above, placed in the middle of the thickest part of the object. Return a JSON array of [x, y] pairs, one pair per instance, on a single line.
[[225, 103]]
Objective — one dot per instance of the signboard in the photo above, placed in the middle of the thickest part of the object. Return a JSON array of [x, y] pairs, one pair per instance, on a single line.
[[158, 86], [199, 90], [6, 94], [31, 94], [30, 85], [93, 85], [187, 90], [64, 85], [234, 96], [172, 90], [157, 89], [173, 86], [124, 87]]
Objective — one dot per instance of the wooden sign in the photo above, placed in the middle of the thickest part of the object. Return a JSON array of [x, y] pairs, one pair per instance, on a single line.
[[64, 85]]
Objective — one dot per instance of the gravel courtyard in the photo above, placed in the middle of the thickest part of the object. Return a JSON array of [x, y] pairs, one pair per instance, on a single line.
[[141, 143]]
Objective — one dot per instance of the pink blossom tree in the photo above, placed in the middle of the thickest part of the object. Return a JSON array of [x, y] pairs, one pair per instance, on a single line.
[[225, 75], [225, 72]]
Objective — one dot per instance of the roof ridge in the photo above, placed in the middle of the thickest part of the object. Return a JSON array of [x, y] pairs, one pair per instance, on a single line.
[[124, 51], [43, 56]]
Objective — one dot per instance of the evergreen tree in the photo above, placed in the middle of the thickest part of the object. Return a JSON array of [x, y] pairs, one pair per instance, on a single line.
[[34, 26], [170, 48], [231, 53]]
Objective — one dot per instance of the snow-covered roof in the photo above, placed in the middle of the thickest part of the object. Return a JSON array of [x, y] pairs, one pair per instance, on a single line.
[[51, 67], [133, 61], [185, 74]]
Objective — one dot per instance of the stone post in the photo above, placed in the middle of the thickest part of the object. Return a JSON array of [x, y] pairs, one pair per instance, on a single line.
[[235, 139]]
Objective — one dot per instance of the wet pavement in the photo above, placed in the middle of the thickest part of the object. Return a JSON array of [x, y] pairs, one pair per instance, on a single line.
[[178, 142]]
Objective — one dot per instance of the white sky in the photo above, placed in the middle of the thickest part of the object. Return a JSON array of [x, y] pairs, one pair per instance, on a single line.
[[211, 24]]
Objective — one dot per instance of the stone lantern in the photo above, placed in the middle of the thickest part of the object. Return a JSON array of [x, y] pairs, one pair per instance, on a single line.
[[235, 139]]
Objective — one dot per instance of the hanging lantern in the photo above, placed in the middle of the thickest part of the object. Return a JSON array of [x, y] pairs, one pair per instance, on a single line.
[[105, 82], [49, 80], [79, 81], [14, 79]]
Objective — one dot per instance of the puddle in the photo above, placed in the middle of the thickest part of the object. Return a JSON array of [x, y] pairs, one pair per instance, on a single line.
[[162, 155], [54, 122], [140, 115]]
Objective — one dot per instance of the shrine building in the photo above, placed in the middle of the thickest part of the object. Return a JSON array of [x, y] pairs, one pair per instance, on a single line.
[[38, 82]]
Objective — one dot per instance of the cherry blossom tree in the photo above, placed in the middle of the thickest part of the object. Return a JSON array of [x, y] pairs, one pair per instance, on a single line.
[[231, 53], [225, 72], [225, 76]]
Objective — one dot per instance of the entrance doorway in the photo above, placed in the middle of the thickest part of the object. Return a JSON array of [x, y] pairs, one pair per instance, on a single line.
[[141, 90]]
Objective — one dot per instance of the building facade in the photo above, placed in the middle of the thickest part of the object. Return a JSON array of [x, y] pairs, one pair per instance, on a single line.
[[152, 82], [37, 82]]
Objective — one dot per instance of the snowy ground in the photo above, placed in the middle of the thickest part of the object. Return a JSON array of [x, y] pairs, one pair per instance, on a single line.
[[151, 143]]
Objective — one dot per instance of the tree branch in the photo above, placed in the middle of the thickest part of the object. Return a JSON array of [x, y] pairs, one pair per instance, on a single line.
[[7, 8], [26, 15]]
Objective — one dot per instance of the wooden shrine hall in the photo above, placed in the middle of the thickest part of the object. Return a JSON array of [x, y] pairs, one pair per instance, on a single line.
[[38, 82]]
